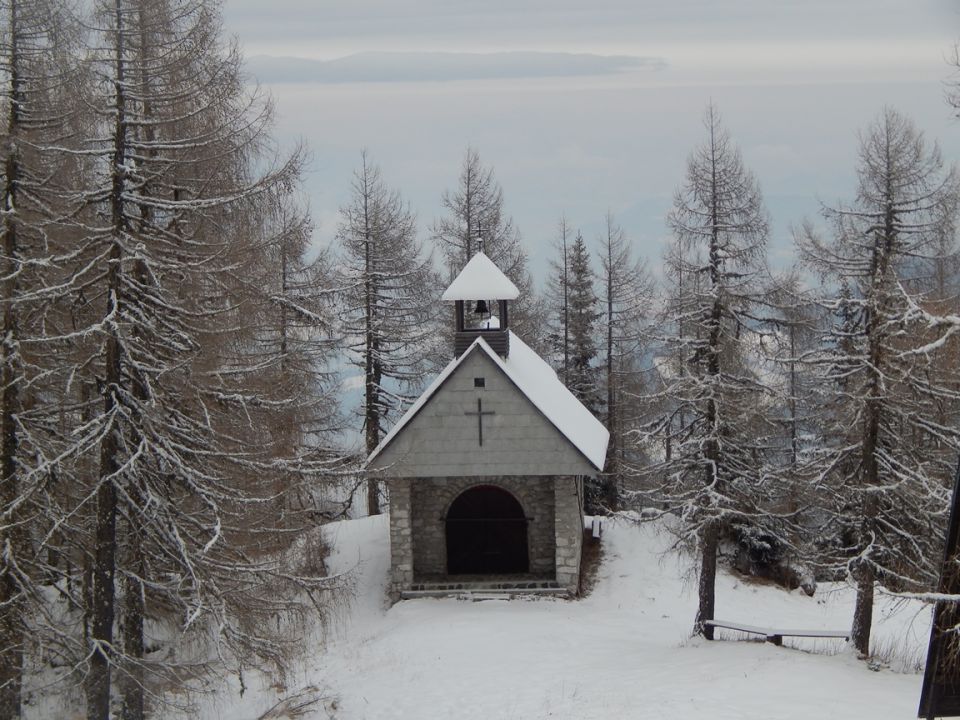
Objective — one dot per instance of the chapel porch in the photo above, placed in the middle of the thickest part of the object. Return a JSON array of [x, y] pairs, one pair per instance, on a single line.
[[430, 525]]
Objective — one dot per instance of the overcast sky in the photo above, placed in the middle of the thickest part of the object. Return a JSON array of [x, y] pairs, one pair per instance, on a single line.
[[581, 135]]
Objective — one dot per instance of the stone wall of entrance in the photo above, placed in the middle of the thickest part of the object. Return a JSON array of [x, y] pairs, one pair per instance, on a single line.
[[401, 539], [569, 526], [431, 497]]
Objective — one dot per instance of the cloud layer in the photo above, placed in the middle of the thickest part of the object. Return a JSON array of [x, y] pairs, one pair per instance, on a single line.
[[336, 28], [442, 66]]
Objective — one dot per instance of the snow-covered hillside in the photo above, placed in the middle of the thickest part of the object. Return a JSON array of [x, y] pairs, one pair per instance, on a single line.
[[623, 652]]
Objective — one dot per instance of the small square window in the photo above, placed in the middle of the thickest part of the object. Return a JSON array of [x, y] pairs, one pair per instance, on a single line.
[[479, 382]]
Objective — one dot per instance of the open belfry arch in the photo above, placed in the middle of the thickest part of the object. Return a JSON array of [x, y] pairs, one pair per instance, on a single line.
[[485, 471]]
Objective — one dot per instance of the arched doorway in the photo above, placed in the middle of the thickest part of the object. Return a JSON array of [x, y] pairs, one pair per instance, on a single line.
[[486, 533]]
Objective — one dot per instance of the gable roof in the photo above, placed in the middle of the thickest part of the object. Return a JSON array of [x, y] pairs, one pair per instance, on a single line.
[[481, 279], [537, 381]]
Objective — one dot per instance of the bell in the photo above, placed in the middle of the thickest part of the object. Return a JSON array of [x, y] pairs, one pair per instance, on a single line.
[[481, 308]]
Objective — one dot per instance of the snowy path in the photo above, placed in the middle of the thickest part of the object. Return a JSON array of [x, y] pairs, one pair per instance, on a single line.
[[623, 652]]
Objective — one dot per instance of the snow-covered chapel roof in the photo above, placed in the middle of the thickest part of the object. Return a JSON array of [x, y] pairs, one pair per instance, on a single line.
[[481, 279], [539, 383]]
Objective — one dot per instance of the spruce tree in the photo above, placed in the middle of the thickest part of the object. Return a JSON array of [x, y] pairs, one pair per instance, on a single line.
[[583, 313]]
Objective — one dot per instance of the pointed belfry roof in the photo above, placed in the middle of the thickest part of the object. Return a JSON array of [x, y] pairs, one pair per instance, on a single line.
[[481, 279]]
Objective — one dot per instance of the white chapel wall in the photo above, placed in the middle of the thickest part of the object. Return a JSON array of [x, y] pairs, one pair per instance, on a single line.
[[443, 441]]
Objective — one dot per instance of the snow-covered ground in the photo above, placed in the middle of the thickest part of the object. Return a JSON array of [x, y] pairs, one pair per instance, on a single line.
[[625, 651]]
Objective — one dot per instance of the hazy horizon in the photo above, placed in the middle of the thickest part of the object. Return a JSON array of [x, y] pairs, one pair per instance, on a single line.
[[543, 92]]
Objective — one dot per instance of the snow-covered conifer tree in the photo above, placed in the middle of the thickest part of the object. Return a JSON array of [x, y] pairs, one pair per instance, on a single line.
[[183, 468], [290, 327], [885, 466], [714, 475], [626, 298], [38, 71], [475, 214], [558, 301], [389, 294], [796, 323], [582, 315]]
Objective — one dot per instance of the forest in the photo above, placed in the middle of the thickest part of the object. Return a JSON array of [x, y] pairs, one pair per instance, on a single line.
[[173, 419]]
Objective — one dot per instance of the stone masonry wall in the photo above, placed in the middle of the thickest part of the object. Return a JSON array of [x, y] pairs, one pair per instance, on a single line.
[[431, 498], [401, 545], [569, 530]]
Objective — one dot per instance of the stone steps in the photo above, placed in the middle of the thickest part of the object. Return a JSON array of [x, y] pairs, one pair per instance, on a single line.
[[485, 589]]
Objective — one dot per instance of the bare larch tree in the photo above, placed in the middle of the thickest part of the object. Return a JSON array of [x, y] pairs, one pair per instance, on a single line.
[[389, 293], [558, 300], [475, 214], [884, 470], [39, 72], [626, 297], [184, 472], [714, 475]]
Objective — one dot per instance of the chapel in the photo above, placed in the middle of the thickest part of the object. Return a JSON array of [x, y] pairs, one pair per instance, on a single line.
[[486, 470]]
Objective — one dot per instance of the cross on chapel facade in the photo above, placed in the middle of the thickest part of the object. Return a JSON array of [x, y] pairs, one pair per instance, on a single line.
[[480, 413], [485, 471]]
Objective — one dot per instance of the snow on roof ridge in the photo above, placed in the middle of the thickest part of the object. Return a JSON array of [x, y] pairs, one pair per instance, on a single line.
[[540, 385], [539, 382], [481, 279]]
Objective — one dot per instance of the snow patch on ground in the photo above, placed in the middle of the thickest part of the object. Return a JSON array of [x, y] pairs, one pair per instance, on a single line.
[[623, 652]]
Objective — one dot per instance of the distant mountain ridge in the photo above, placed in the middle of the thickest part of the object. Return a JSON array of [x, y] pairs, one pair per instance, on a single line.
[[443, 66]]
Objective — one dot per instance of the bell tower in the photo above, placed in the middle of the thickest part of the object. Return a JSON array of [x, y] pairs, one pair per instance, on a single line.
[[479, 286]]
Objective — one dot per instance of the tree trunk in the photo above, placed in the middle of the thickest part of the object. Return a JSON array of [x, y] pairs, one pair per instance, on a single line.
[[373, 430], [708, 579], [131, 685], [11, 628], [98, 688], [133, 608], [864, 573], [105, 550], [612, 474], [667, 438], [863, 611], [712, 453], [283, 307], [373, 497], [104, 562], [371, 357], [11, 634], [794, 439], [566, 317]]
